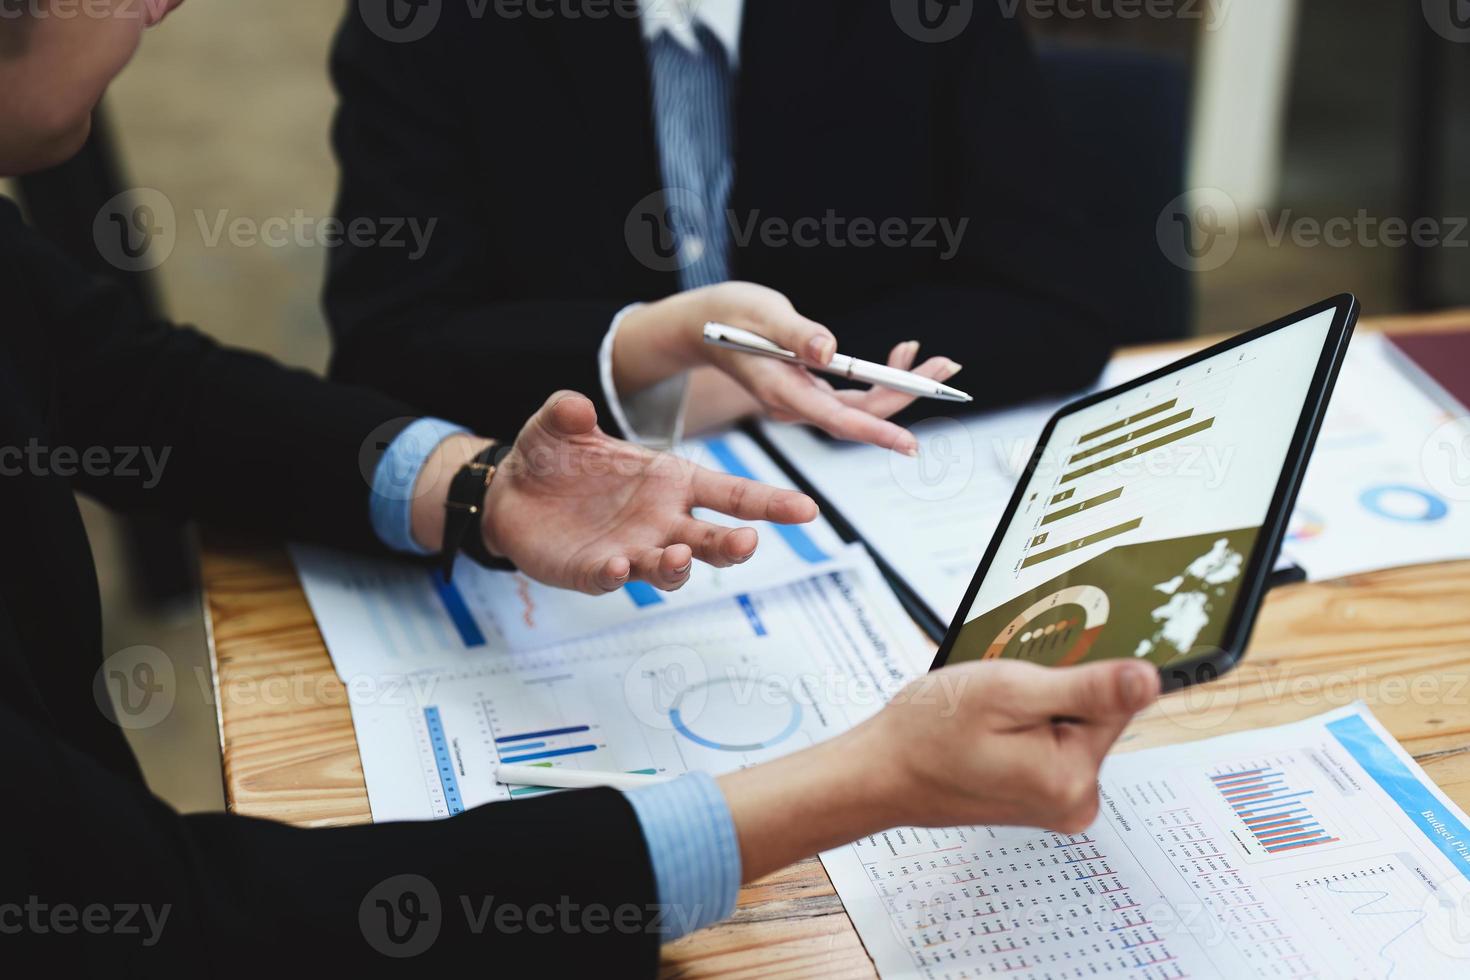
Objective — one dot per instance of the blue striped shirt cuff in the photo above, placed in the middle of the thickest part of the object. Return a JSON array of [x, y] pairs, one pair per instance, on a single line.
[[391, 506], [695, 855]]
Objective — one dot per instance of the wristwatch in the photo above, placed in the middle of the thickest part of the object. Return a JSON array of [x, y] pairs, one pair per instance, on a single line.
[[464, 510]]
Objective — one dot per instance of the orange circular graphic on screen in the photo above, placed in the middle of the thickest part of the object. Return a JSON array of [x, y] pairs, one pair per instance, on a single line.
[[1058, 629]]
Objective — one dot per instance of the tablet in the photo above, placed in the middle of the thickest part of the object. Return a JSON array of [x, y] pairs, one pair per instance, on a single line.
[[1148, 519]]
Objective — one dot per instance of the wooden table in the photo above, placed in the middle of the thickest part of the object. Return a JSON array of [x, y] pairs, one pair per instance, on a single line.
[[1399, 640]]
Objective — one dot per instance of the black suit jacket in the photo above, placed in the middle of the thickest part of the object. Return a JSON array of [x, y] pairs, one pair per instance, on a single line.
[[529, 142], [84, 387]]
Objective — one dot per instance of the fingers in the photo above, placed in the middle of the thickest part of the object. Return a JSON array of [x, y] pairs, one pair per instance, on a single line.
[[1065, 795], [1095, 738], [606, 575], [771, 315], [1094, 693], [1100, 699], [716, 545], [567, 414], [903, 355], [884, 402], [843, 421], [669, 568], [1081, 750], [664, 568], [747, 500]]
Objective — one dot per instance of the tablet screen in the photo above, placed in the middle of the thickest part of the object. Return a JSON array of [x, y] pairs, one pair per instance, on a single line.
[[1136, 527]]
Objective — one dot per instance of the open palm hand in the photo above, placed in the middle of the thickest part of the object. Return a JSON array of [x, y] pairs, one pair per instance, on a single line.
[[574, 507]]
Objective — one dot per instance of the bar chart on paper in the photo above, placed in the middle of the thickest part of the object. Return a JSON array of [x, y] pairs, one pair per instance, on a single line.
[[1278, 815], [1177, 878], [462, 736], [539, 748], [712, 688], [1281, 804]]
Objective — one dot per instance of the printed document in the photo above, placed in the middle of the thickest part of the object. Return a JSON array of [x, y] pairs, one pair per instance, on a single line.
[[1315, 849]]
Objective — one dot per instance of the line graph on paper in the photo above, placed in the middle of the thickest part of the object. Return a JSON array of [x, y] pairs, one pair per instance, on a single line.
[[1371, 910]]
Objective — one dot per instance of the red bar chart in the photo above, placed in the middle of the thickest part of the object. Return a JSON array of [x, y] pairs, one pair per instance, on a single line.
[[1276, 813]]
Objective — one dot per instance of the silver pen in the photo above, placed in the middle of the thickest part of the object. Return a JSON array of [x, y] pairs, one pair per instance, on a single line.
[[842, 366]]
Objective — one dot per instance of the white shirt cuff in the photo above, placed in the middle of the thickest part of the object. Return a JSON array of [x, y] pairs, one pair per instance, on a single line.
[[654, 416]]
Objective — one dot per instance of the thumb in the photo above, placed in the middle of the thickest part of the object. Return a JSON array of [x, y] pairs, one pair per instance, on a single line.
[[771, 315], [567, 414], [1097, 692]]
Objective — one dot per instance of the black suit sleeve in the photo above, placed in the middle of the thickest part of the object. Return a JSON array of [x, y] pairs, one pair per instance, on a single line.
[[558, 887], [105, 879], [1026, 302], [164, 419], [429, 322]]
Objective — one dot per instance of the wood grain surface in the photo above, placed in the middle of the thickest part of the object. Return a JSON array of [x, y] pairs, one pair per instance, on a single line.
[[1398, 640]]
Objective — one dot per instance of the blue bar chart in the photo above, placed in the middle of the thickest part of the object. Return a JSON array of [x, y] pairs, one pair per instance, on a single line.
[[448, 782], [534, 747], [541, 747], [458, 611], [1277, 814]]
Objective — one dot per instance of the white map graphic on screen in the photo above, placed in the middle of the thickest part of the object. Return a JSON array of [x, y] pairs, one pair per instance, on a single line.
[[1187, 613]]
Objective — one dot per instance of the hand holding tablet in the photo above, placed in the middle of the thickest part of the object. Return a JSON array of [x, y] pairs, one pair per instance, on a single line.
[[1149, 517]]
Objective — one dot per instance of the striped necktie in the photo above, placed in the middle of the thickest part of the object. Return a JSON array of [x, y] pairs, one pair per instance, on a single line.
[[691, 103]]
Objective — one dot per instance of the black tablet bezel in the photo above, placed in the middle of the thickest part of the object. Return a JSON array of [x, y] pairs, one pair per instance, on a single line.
[[1208, 666]]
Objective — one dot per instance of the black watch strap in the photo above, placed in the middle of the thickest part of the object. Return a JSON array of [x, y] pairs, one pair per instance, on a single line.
[[464, 509]]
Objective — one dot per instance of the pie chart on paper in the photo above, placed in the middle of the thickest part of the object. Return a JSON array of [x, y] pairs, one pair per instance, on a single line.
[[735, 714]]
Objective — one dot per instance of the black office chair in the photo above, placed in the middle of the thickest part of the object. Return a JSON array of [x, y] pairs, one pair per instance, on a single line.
[[1124, 117], [62, 204]]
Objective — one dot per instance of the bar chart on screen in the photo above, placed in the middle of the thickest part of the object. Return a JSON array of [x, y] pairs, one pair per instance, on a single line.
[[1122, 472]]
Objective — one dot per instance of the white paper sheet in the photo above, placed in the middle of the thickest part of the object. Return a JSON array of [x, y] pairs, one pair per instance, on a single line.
[[714, 688], [1316, 849], [1382, 489]]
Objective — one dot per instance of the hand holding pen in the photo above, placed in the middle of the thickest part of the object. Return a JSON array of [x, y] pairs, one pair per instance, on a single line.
[[840, 365], [665, 338]]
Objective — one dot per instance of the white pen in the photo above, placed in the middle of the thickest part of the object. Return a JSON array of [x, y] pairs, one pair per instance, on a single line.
[[573, 778], [841, 365]]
